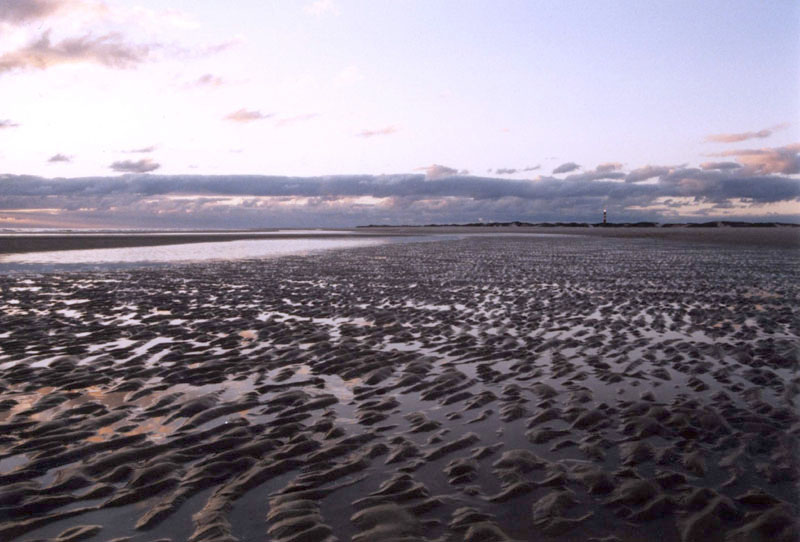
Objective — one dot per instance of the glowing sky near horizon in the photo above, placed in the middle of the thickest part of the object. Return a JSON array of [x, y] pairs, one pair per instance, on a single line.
[[517, 90]]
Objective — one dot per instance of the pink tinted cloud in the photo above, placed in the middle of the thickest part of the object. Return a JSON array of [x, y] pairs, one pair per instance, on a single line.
[[608, 166], [22, 11], [246, 115], [744, 136], [108, 50], [720, 165], [784, 159], [438, 171], [207, 80]]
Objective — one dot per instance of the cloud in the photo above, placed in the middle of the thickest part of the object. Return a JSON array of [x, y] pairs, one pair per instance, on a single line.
[[7, 123], [216, 48], [60, 158], [245, 115], [784, 159], [207, 80], [733, 138], [566, 168], [645, 173], [286, 121], [23, 11], [322, 7], [718, 186], [744, 136], [436, 171], [511, 170], [379, 132], [720, 165], [609, 166], [139, 166], [595, 175], [437, 194], [142, 150], [109, 50]]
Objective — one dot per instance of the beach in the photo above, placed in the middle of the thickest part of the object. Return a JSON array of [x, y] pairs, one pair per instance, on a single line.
[[607, 384]]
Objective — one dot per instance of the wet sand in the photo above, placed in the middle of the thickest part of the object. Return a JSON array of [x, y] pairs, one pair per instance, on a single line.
[[481, 389]]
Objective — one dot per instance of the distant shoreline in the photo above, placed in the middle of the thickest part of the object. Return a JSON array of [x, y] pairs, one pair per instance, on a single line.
[[518, 224]]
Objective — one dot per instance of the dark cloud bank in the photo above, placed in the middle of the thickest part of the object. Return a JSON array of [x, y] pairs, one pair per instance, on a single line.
[[147, 200]]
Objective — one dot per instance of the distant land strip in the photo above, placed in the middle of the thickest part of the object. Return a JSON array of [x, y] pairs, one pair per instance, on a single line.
[[516, 223]]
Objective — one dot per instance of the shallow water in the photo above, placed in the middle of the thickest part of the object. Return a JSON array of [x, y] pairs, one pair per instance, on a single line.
[[99, 259], [192, 252]]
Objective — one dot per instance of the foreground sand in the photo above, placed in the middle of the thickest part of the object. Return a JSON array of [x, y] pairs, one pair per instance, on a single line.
[[562, 388]]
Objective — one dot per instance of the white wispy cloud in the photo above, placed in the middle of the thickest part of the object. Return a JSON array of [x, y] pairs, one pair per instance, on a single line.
[[388, 130], [142, 150], [247, 115], [286, 121]]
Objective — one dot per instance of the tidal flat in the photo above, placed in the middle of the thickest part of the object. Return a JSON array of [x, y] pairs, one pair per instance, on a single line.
[[486, 388]]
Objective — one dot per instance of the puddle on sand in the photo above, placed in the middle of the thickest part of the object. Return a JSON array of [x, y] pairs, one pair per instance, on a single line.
[[7, 464]]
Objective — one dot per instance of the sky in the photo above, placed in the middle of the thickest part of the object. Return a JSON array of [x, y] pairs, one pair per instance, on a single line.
[[253, 114]]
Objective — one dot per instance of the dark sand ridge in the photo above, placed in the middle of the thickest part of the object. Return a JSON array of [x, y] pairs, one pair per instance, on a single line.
[[490, 388]]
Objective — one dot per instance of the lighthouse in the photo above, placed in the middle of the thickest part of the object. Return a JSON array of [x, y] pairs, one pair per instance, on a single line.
[[604, 217]]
